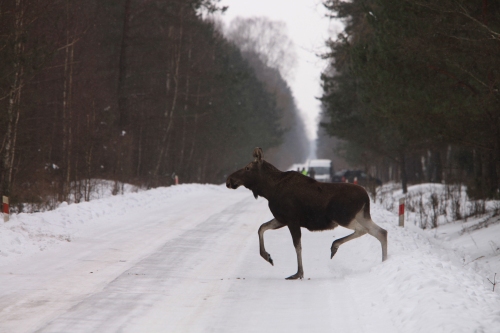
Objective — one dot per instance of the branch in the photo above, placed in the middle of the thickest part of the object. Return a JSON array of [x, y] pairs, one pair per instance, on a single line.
[[494, 283], [459, 82], [474, 259], [466, 14], [12, 91], [463, 12], [474, 77], [68, 45]]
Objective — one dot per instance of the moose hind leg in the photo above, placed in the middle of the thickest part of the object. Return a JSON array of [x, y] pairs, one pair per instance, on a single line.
[[358, 232], [296, 235], [273, 224], [376, 231]]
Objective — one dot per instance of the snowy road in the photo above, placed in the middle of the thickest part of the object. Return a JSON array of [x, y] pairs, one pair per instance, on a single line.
[[189, 262]]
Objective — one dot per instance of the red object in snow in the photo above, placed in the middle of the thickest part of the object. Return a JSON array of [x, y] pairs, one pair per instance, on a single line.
[[5, 209], [402, 212]]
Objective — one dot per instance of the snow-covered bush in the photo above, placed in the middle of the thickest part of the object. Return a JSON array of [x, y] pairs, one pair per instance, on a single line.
[[431, 205], [79, 191]]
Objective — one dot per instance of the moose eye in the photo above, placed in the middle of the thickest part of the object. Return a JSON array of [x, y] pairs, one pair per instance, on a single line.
[[247, 168]]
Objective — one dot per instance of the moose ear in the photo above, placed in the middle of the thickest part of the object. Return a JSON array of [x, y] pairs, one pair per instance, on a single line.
[[257, 154]]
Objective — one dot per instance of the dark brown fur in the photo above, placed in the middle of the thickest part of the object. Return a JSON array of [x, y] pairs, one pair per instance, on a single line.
[[298, 201]]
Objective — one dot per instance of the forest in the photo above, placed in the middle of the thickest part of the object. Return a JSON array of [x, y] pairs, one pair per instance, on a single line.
[[412, 90], [130, 91]]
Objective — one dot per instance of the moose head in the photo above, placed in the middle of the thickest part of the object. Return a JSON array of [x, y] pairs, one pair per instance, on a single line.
[[252, 175]]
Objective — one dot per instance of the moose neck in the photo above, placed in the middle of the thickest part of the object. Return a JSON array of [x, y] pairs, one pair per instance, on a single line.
[[269, 177]]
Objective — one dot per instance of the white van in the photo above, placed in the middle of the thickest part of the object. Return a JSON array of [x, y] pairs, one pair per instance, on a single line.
[[322, 170]]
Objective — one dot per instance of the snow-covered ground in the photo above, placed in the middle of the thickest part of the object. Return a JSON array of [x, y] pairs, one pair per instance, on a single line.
[[186, 259], [473, 237]]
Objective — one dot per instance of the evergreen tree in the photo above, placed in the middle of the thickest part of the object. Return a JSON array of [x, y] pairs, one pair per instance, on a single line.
[[410, 77]]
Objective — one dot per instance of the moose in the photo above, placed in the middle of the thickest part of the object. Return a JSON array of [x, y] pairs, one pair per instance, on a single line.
[[299, 201]]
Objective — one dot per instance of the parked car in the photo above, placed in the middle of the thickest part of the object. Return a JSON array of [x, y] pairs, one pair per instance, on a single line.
[[350, 175]]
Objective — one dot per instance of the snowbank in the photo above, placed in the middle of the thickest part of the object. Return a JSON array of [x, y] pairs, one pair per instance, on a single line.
[[27, 233], [426, 288], [474, 238]]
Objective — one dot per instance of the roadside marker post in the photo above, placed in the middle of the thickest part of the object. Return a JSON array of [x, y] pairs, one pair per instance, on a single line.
[[402, 211], [5, 209]]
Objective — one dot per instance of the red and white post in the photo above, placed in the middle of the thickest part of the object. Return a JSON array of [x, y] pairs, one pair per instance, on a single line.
[[5, 209], [176, 178], [402, 212]]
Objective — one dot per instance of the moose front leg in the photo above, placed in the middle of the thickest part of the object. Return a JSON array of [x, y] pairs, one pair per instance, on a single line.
[[296, 235], [273, 224]]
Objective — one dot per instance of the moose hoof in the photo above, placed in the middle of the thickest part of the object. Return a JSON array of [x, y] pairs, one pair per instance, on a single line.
[[334, 250], [267, 257], [296, 276]]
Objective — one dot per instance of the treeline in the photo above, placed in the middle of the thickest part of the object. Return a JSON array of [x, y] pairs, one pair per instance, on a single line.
[[413, 89], [131, 91]]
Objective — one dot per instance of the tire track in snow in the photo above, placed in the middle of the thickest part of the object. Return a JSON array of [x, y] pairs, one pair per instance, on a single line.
[[324, 301], [166, 290], [42, 287]]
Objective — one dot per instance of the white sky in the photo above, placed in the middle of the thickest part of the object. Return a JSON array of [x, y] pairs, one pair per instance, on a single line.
[[308, 28]]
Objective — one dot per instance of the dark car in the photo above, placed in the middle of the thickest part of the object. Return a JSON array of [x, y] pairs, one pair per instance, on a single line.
[[349, 175]]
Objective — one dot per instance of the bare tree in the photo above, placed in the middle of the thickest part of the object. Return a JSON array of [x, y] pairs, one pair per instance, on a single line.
[[8, 147], [266, 38]]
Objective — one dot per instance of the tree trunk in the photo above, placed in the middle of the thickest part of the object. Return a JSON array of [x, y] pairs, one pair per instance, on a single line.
[[181, 164], [66, 115], [169, 113], [122, 70], [496, 155], [139, 152], [13, 107], [195, 129], [89, 153], [402, 169], [435, 167], [13, 114]]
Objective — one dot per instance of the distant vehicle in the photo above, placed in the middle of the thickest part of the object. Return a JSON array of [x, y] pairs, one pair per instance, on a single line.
[[349, 175], [297, 167], [321, 170]]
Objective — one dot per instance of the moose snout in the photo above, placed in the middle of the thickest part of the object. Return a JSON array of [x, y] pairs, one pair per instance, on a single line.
[[228, 182], [231, 183]]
